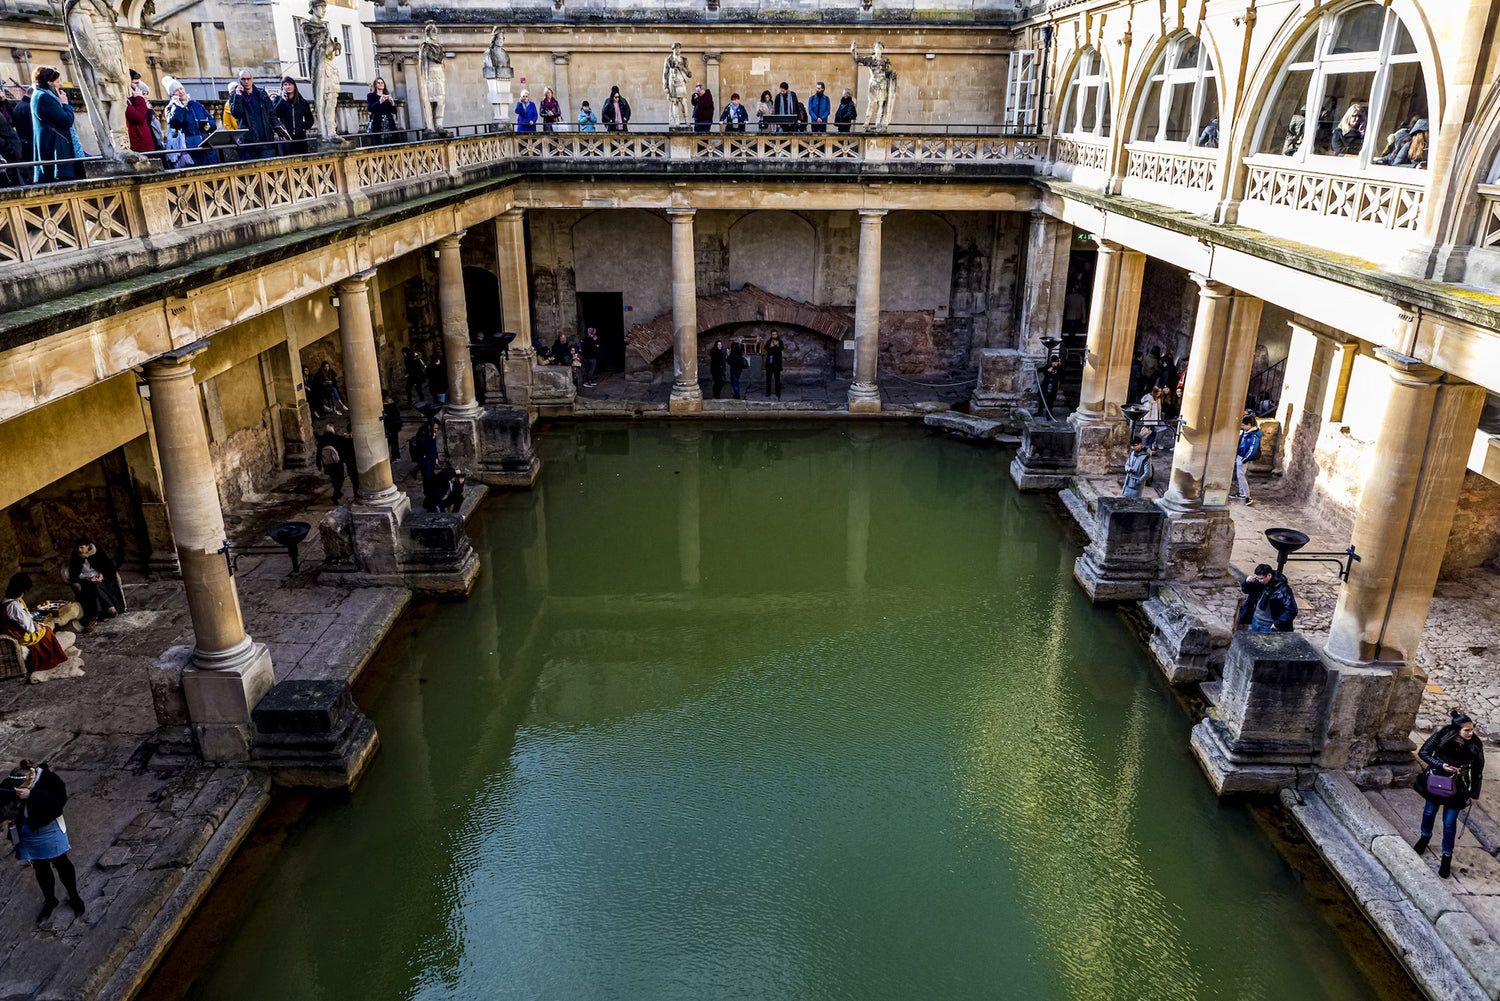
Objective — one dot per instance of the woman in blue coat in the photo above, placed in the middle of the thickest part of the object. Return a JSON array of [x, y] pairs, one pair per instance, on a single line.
[[525, 113], [52, 127], [188, 124]]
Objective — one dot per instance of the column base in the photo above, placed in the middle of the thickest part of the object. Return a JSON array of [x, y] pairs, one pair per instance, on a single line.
[[864, 398], [1188, 647], [1124, 560], [1103, 443], [377, 534], [685, 400], [1270, 720], [516, 373], [552, 390], [1047, 458], [1007, 384], [310, 734], [1371, 715], [461, 436], [1199, 541], [426, 551], [219, 703]]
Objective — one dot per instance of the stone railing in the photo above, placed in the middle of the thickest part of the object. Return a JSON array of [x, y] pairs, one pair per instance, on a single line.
[[1377, 199], [1489, 217], [1092, 154], [40, 224], [1195, 171]]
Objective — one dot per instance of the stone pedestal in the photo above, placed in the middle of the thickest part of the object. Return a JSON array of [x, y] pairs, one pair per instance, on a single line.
[[377, 535], [1124, 560], [461, 436], [1189, 647], [516, 373], [1048, 457], [1199, 542], [1270, 720], [507, 458], [219, 702], [1007, 383], [385, 545], [312, 735], [1370, 718], [439, 558], [552, 390], [1103, 443]]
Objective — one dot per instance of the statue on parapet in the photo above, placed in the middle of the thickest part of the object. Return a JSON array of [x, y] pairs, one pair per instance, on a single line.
[[432, 84], [98, 50], [882, 86], [498, 75], [325, 51], [675, 74]]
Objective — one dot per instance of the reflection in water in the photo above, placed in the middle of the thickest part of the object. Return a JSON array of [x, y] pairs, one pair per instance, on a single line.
[[769, 713]]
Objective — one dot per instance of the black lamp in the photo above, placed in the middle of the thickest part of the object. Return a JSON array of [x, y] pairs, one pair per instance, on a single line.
[[1288, 542]]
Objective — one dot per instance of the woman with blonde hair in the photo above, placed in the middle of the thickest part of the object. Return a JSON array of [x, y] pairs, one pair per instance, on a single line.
[[1349, 135], [551, 110]]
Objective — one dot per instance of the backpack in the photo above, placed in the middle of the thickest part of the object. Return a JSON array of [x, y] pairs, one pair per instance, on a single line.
[[1255, 452], [329, 455]]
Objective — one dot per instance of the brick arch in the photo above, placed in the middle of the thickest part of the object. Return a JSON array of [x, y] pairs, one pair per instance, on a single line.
[[646, 343]]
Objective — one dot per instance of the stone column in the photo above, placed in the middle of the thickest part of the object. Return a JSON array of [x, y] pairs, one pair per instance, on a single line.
[[515, 303], [462, 413], [1350, 352], [1304, 396], [1213, 399], [145, 477], [1406, 510], [560, 62], [1049, 244], [1103, 431], [362, 385], [864, 393], [687, 395], [711, 61], [225, 673]]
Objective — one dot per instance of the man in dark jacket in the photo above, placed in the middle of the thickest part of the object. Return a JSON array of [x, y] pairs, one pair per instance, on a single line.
[[251, 106], [391, 419], [590, 351], [1271, 606], [424, 450], [786, 103], [703, 109]]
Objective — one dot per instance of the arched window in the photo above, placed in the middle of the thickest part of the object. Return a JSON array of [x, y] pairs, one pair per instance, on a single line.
[[1181, 103], [1355, 67], [1086, 104]]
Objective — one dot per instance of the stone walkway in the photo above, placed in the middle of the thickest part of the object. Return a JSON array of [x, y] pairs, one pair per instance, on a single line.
[[151, 825], [916, 394]]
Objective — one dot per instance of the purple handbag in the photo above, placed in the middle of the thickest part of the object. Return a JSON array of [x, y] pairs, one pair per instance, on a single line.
[[1441, 785]]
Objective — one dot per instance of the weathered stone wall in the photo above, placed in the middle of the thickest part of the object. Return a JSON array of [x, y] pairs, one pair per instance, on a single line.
[[1475, 539], [957, 269]]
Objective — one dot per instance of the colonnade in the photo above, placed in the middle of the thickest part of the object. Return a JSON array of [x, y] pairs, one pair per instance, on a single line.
[[687, 395], [1405, 510]]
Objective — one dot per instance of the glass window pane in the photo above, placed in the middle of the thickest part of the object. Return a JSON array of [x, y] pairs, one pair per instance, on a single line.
[[1304, 53], [1358, 30], [1150, 119], [1104, 118], [1088, 104], [1180, 114], [1285, 121], [1210, 116], [1187, 53], [1069, 121], [1404, 46], [1405, 113], [1341, 118]]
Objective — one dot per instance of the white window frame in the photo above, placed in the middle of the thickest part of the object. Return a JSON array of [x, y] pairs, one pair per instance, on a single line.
[[1098, 79], [304, 51], [1379, 61], [1020, 89], [1201, 76], [351, 65]]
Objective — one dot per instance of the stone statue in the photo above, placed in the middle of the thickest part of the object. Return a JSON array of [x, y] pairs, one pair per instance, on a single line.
[[675, 75], [431, 83], [324, 51], [99, 66], [498, 75], [882, 86]]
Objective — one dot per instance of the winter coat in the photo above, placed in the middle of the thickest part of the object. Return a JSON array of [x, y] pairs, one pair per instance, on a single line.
[[846, 114], [254, 113], [1249, 442], [587, 120], [525, 116], [1270, 604], [609, 114], [716, 363], [774, 351], [138, 123], [1446, 747], [1138, 473], [52, 132], [382, 115], [734, 117], [46, 801], [818, 106], [551, 110], [294, 114], [703, 106], [737, 361], [188, 120]]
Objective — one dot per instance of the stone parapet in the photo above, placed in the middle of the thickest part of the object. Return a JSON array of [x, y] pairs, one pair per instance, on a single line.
[[1007, 383], [1124, 560], [1047, 458]]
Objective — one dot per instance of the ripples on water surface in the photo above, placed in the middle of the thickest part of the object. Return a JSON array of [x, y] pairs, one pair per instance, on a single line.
[[776, 713]]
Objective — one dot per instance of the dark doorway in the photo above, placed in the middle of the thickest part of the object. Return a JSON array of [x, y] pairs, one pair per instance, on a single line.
[[605, 312], [482, 301]]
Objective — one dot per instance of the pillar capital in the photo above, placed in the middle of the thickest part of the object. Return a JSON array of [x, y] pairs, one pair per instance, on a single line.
[[681, 217], [1207, 286], [711, 58], [512, 214], [450, 242], [174, 364], [356, 284], [871, 217], [561, 58], [1407, 370]]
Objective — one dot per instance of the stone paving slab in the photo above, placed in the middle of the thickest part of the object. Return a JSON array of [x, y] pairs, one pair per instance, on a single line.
[[151, 827]]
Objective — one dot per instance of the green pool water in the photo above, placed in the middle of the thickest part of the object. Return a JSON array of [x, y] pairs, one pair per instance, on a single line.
[[769, 713]]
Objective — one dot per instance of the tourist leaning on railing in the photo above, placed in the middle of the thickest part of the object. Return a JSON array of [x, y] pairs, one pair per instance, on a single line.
[[844, 117], [188, 125], [734, 115], [140, 120], [252, 110], [616, 111], [294, 115], [587, 120], [550, 110]]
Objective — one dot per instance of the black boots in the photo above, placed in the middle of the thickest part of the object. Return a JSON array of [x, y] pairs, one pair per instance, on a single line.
[[1445, 867], [1421, 846], [48, 906]]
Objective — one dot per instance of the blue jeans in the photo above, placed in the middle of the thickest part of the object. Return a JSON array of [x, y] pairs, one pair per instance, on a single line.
[[734, 383], [1450, 824], [1256, 627]]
